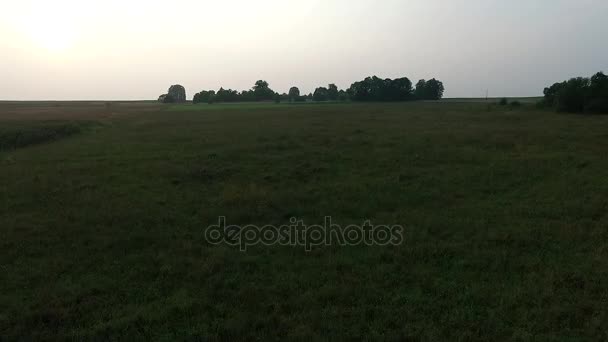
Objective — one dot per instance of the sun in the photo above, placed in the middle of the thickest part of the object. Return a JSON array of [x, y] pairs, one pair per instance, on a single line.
[[50, 29], [54, 38]]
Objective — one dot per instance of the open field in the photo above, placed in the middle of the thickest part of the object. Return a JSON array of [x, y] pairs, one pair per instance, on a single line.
[[101, 230]]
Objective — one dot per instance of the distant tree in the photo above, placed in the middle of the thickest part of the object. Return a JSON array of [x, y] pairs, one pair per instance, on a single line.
[[598, 94], [377, 89], [177, 92], [429, 90], [551, 94], [572, 95], [294, 94], [166, 98], [247, 96], [598, 85], [203, 97], [360, 91], [342, 96], [401, 89], [261, 84], [503, 102], [221, 95], [228, 95], [262, 91], [332, 92], [515, 104], [420, 92], [579, 95], [321, 94], [434, 89]]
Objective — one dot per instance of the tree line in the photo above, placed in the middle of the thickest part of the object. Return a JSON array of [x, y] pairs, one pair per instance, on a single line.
[[369, 89], [260, 92], [400, 89], [579, 95]]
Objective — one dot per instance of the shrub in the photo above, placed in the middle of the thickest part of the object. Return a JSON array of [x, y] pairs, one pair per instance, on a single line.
[[515, 104], [541, 104], [166, 98], [503, 101], [13, 138]]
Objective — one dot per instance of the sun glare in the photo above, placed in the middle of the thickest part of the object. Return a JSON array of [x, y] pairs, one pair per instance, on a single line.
[[50, 30], [54, 38]]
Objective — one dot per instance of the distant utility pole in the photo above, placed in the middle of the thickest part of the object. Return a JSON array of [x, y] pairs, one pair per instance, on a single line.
[[487, 93]]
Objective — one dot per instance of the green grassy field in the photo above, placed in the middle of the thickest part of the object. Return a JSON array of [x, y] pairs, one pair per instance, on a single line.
[[102, 231]]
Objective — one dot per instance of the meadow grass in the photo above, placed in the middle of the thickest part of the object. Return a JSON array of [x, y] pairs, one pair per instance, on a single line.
[[504, 213]]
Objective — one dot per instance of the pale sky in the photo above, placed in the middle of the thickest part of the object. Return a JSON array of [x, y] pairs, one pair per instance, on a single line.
[[128, 50]]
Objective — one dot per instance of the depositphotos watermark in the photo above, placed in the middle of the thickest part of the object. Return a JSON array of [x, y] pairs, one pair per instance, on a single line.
[[299, 234]]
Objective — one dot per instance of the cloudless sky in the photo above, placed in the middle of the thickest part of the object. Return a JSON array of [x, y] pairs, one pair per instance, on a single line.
[[122, 50]]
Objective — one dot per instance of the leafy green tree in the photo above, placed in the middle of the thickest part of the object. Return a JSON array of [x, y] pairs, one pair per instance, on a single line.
[[332, 92], [321, 94], [420, 92], [598, 94], [177, 92], [262, 91], [166, 98], [572, 95], [429, 90], [552, 93], [401, 90], [598, 86], [342, 96], [228, 95], [294, 94], [377, 89], [578, 95], [203, 96], [434, 89], [247, 96]]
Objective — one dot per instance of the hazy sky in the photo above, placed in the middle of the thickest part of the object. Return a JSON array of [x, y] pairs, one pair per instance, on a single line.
[[120, 49]]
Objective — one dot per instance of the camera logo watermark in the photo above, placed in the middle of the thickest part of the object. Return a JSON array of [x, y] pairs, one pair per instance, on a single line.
[[299, 234]]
